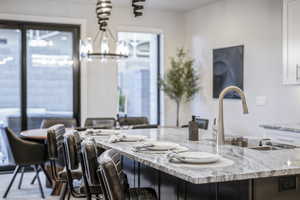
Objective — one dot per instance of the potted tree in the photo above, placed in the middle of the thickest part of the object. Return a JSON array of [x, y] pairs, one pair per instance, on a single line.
[[181, 81]]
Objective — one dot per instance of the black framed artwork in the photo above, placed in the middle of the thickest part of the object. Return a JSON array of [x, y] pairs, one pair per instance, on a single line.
[[228, 70]]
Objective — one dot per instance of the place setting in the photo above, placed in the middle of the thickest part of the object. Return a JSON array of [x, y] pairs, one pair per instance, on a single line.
[[159, 147], [126, 138], [198, 159], [99, 132]]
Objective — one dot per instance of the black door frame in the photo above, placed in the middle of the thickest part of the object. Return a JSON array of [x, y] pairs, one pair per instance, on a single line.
[[23, 27]]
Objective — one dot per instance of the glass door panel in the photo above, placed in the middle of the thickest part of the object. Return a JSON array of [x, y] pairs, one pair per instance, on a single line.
[[49, 75], [138, 75], [10, 101]]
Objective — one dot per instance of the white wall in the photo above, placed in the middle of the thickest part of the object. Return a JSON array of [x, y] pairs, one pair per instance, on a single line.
[[100, 94], [258, 25]]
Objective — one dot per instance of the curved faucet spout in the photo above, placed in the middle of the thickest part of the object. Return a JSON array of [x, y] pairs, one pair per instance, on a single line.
[[221, 135]]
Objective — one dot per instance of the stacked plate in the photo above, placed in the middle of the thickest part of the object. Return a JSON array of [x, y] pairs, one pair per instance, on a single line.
[[101, 132], [132, 138], [158, 147], [126, 138], [195, 158]]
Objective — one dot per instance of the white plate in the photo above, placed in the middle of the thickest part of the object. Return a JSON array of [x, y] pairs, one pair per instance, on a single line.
[[162, 146], [133, 138], [109, 132], [198, 157]]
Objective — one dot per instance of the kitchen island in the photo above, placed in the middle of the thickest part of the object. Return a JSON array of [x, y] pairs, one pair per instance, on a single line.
[[242, 173]]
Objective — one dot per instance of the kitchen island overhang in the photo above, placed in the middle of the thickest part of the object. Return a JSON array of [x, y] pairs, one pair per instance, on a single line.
[[247, 163], [182, 181]]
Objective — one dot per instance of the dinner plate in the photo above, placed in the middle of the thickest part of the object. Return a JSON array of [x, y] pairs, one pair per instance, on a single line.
[[197, 157], [162, 146], [133, 138], [109, 132]]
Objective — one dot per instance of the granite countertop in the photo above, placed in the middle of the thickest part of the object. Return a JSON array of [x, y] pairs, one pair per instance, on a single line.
[[237, 163], [291, 127]]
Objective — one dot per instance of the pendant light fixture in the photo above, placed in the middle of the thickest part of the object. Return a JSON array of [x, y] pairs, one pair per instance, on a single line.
[[104, 46], [138, 7]]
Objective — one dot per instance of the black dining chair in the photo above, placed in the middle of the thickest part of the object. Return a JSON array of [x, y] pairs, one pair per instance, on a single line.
[[50, 122], [100, 123], [55, 143], [67, 122], [25, 154], [150, 126], [132, 121], [72, 157], [89, 154], [111, 175]]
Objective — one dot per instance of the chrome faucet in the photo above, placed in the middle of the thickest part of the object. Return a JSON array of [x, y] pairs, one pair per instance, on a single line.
[[221, 135]]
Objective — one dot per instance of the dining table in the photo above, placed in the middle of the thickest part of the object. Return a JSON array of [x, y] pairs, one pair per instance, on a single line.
[[38, 134]]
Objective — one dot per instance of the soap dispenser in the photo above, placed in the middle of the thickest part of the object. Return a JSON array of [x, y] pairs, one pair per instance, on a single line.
[[193, 130]]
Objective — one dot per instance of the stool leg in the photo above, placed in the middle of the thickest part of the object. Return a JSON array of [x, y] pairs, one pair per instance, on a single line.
[[64, 191]]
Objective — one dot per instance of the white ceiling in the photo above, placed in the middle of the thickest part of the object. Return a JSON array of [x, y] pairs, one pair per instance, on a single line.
[[174, 5]]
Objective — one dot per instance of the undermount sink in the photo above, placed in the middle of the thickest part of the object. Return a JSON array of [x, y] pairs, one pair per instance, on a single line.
[[264, 148], [258, 144], [273, 146]]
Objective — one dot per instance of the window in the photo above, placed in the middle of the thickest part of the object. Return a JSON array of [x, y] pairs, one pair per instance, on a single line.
[[39, 76], [138, 76]]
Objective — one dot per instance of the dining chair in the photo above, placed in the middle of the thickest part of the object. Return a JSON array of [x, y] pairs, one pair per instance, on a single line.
[[150, 126], [202, 123], [100, 122], [110, 175], [72, 157], [55, 143], [50, 122], [67, 122], [132, 121], [25, 154], [89, 154]]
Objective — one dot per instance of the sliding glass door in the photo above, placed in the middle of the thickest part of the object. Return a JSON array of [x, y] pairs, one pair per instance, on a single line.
[[10, 93], [39, 76], [138, 76], [49, 75]]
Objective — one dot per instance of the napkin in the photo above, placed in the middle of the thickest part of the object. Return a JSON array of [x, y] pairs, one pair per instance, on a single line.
[[116, 138], [144, 149]]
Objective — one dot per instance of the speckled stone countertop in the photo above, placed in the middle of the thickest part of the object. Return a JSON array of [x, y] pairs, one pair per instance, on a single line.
[[283, 127], [239, 163]]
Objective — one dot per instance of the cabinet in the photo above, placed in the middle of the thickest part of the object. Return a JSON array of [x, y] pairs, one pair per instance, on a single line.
[[291, 42]]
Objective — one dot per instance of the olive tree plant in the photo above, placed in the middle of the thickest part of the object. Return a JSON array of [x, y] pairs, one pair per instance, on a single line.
[[181, 82]]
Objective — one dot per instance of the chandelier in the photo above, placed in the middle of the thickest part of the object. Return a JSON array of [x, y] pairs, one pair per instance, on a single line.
[[137, 7], [105, 46]]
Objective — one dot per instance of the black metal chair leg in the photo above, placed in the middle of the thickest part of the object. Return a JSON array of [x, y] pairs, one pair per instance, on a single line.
[[36, 168], [21, 178], [17, 169], [46, 174], [34, 178]]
